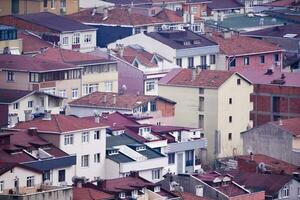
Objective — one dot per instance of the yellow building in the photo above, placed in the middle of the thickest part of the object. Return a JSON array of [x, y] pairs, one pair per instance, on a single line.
[[59, 7], [216, 101]]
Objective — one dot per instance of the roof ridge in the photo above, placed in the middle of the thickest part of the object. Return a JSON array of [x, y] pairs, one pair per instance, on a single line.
[[57, 123]]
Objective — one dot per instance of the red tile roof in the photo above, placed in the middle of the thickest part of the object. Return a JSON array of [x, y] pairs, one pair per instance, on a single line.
[[123, 101], [86, 193], [290, 125], [274, 165], [282, 3], [31, 64], [9, 96], [20, 140], [31, 43], [206, 78], [69, 56], [59, 124], [241, 45], [127, 16], [4, 167]]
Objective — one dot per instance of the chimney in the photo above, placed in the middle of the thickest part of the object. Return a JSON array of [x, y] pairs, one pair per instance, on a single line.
[[47, 115], [114, 99], [32, 131], [199, 190], [134, 174], [28, 115], [251, 156], [97, 118]]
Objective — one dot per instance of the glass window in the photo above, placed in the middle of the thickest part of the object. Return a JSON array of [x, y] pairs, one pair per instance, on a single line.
[[30, 104], [88, 38], [85, 161], [194, 9], [122, 195], [75, 93], [179, 62], [97, 158], [45, 3], [190, 62], [62, 93], [1, 186], [153, 106], [229, 136], [89, 88], [16, 106], [212, 59], [108, 86], [189, 158], [34, 77], [10, 76], [230, 100], [276, 57], [76, 38], [285, 191], [262, 59], [230, 119], [61, 175], [232, 62], [203, 61], [68, 139], [30, 181], [85, 137], [246, 60], [97, 135], [171, 158], [238, 81], [150, 86], [52, 3], [155, 174], [65, 40]]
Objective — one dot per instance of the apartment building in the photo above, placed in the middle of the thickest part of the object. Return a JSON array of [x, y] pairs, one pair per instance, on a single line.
[[205, 100], [22, 105], [117, 22], [155, 108], [183, 48], [80, 137], [19, 7], [152, 65], [26, 147], [59, 30], [185, 148], [239, 52]]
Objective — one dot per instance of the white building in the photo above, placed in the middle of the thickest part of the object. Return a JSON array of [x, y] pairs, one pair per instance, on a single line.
[[21, 105], [183, 48], [85, 139]]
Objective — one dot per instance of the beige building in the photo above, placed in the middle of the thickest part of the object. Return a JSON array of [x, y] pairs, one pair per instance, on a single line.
[[216, 101], [59, 7]]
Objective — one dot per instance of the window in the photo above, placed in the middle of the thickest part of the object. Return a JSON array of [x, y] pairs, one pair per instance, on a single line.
[[45, 3], [190, 62], [203, 61], [16, 106], [76, 38], [30, 181], [238, 81], [246, 60], [89, 88], [230, 100], [229, 136], [69, 139], [276, 57], [262, 59], [88, 38], [150, 85], [75, 93], [189, 158], [63, 3], [52, 4], [232, 62], [134, 194], [30, 104], [194, 9], [285, 191], [122, 195], [47, 175], [97, 158], [171, 158], [201, 121], [1, 186], [108, 86], [202, 135], [85, 137], [65, 40], [201, 103], [153, 12], [61, 175], [137, 30], [97, 135], [155, 174], [157, 189], [62, 93], [179, 62], [85, 161], [153, 106], [33, 77], [230, 119], [201, 90], [10, 76], [212, 59]]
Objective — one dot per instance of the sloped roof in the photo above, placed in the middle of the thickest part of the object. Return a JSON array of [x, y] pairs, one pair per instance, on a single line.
[[4, 167], [278, 31], [86, 193], [205, 79], [59, 124], [290, 125], [224, 4], [10, 96], [54, 22], [241, 45], [32, 43]]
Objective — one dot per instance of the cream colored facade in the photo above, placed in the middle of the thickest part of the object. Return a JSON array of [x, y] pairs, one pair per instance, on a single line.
[[216, 111], [34, 6], [16, 44]]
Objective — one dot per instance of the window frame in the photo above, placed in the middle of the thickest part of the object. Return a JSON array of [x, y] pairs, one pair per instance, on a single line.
[[85, 137], [30, 181], [246, 60], [76, 39], [87, 39], [97, 158], [61, 175], [171, 158], [11, 76], [68, 139], [156, 174], [85, 160]]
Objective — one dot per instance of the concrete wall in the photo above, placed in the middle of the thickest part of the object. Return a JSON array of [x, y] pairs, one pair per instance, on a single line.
[[267, 139], [21, 81], [113, 168], [12, 44]]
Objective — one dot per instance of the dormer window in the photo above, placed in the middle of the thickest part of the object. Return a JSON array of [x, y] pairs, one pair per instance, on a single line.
[[144, 130], [122, 195], [197, 42], [157, 189], [185, 43], [113, 152], [140, 148]]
